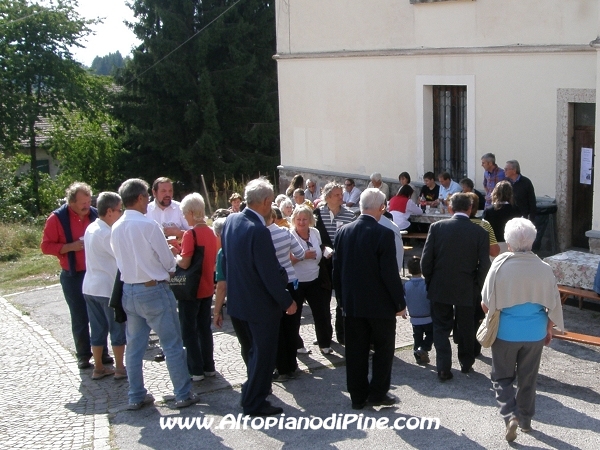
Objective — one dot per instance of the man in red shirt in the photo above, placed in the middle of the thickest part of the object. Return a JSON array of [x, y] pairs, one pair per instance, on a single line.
[[63, 238]]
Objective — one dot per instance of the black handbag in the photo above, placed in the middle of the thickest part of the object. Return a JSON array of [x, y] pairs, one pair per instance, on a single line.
[[325, 269], [116, 299], [185, 282]]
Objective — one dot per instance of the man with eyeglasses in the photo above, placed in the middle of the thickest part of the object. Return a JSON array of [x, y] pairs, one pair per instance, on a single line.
[[351, 194], [311, 192], [523, 191], [101, 269]]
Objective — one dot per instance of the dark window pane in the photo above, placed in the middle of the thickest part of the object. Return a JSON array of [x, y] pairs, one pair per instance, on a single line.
[[450, 130]]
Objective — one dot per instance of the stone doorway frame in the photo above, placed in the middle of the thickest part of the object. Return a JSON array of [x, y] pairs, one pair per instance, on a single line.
[[564, 163]]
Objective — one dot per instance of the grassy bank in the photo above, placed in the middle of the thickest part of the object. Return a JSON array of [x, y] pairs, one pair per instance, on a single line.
[[22, 265]]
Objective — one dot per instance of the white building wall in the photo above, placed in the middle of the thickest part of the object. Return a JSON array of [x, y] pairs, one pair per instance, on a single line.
[[353, 25], [359, 115], [354, 74]]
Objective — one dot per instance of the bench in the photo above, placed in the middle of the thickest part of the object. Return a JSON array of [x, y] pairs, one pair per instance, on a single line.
[[567, 291], [576, 337]]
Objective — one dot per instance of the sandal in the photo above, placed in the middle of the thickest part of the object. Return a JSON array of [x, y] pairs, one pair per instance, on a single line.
[[120, 374], [98, 374]]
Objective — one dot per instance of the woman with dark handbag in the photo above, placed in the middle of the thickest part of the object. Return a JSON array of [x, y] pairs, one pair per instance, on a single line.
[[310, 286], [195, 313]]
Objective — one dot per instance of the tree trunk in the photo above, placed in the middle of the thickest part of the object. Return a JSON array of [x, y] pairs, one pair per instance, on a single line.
[[35, 178]]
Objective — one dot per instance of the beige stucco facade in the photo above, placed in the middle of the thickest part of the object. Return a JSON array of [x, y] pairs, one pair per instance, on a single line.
[[356, 77]]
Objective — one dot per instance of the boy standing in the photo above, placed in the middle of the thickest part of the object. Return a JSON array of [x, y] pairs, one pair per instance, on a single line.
[[419, 308]]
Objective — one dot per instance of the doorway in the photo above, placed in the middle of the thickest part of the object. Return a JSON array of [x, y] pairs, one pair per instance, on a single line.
[[582, 184]]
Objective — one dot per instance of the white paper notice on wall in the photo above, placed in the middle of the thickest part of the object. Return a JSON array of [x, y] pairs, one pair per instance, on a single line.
[[585, 175]]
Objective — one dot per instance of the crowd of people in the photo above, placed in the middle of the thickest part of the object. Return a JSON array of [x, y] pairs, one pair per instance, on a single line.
[[265, 256]]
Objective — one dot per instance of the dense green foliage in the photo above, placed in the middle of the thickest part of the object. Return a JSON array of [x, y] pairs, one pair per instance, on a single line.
[[88, 149], [106, 65], [17, 200], [38, 75], [210, 107]]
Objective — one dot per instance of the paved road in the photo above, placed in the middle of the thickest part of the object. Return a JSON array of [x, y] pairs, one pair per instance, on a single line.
[[49, 403]]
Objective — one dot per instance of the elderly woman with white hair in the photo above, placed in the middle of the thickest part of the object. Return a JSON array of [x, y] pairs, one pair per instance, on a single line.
[[523, 288], [194, 316]]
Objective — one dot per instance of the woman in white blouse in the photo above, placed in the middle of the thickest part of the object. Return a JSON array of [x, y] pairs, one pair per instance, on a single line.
[[310, 286]]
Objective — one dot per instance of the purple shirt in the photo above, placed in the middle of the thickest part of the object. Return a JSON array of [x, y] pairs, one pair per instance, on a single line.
[[490, 179]]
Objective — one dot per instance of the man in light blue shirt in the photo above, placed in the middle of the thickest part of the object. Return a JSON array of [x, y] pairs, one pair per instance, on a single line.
[[447, 186]]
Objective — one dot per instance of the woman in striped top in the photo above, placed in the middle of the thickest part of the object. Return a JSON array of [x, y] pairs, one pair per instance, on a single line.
[[289, 327]]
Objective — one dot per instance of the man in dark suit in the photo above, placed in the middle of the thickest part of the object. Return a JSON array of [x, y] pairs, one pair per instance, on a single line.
[[455, 262], [256, 292], [367, 281]]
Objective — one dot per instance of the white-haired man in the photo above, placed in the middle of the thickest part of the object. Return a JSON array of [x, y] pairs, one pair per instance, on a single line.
[[366, 278], [311, 192], [256, 292], [377, 183]]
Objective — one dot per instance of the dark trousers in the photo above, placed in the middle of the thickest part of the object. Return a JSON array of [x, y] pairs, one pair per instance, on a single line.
[[340, 330], [195, 321], [261, 362], [360, 333], [243, 336], [443, 316], [423, 336], [319, 300], [289, 328], [339, 314], [80, 324]]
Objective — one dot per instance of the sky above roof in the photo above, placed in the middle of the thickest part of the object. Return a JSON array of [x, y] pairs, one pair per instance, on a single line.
[[109, 36]]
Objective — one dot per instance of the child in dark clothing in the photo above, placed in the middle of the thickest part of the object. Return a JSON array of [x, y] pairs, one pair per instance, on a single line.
[[419, 310]]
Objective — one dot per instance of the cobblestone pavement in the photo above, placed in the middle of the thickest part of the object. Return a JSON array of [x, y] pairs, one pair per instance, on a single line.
[[64, 408], [50, 403], [45, 403]]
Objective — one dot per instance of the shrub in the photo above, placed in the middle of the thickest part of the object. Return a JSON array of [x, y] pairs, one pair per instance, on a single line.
[[14, 238]]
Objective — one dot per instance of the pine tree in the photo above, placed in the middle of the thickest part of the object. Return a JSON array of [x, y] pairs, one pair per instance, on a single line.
[[211, 105]]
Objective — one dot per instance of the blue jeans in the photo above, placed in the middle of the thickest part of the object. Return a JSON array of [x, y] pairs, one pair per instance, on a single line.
[[102, 321], [153, 308], [72, 286], [197, 335]]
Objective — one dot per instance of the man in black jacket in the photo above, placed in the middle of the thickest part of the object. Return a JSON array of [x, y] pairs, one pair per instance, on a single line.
[[523, 192], [455, 262], [367, 281]]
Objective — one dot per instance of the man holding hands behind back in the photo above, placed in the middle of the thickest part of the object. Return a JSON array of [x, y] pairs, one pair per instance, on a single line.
[[256, 292], [367, 280]]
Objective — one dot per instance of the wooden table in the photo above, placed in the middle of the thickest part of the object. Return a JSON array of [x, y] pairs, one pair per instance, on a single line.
[[429, 218], [435, 216]]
